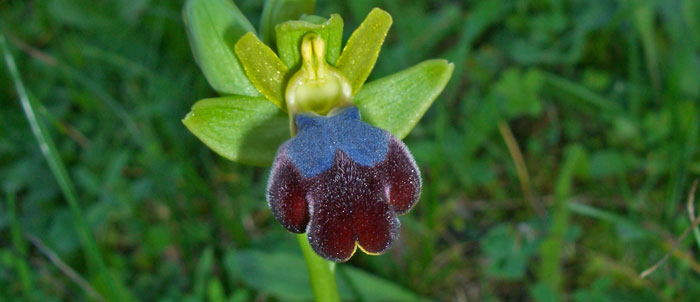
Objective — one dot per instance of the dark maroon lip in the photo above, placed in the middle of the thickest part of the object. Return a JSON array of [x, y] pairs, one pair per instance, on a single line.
[[349, 204]]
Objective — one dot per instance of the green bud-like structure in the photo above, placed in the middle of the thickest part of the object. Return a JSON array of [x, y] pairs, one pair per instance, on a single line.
[[317, 87]]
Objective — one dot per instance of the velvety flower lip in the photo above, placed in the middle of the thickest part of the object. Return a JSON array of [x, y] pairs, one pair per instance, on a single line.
[[343, 182]]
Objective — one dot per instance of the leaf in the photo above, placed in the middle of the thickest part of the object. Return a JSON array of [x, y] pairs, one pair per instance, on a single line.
[[519, 91], [361, 52], [290, 33], [215, 291], [213, 27], [598, 291], [284, 275], [396, 102], [278, 11], [373, 288], [85, 15], [243, 129], [542, 292], [607, 163], [263, 67], [280, 274], [508, 252]]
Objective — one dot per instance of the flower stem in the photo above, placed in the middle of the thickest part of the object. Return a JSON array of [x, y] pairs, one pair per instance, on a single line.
[[321, 273]]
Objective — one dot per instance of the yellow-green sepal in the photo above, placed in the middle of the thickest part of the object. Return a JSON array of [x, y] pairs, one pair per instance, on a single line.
[[362, 49], [213, 27], [263, 67], [243, 129], [396, 102], [278, 11], [290, 34]]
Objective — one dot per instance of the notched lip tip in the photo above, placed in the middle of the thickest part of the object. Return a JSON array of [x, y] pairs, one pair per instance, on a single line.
[[354, 251]]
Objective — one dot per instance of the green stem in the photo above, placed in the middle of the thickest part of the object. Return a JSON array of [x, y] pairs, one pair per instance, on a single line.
[[321, 273]]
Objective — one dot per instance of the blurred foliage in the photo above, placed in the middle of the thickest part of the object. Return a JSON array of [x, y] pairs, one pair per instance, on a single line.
[[614, 82]]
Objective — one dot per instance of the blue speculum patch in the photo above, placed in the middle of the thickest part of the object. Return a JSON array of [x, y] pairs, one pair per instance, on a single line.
[[313, 149]]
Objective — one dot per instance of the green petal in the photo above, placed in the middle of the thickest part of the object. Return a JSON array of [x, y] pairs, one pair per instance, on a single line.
[[395, 103], [263, 68], [278, 11], [361, 51], [213, 27], [289, 36], [243, 129]]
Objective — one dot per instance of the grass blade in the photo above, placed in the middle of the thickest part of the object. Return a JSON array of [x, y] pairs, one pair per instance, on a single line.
[[691, 212], [91, 85], [21, 247], [65, 269], [58, 169], [644, 23], [520, 167], [693, 226], [203, 273], [550, 252], [570, 90]]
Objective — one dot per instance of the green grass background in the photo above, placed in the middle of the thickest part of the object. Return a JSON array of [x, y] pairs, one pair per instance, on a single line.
[[556, 164]]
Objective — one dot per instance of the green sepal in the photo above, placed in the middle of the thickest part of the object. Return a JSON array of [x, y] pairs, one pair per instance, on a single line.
[[213, 27], [263, 67], [314, 19], [396, 102], [243, 129], [278, 11], [360, 53], [290, 33]]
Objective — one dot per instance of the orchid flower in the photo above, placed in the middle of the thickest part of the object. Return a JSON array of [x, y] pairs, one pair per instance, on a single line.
[[343, 175]]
